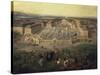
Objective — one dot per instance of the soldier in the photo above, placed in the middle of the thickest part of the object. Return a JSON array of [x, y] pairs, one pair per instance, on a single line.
[[66, 62], [52, 55], [58, 61], [40, 62]]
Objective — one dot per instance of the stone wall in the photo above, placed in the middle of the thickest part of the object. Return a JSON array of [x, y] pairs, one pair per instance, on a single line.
[[27, 30], [18, 29], [52, 44]]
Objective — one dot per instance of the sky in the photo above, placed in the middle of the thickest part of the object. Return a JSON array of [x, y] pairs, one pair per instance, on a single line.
[[52, 9]]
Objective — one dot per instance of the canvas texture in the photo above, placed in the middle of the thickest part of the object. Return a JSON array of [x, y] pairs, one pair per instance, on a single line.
[[49, 37]]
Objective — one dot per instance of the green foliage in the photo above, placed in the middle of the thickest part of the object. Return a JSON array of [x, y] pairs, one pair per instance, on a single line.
[[16, 34], [87, 50], [85, 54]]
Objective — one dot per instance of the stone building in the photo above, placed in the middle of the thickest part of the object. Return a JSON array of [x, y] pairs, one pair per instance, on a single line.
[[59, 33]]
